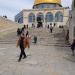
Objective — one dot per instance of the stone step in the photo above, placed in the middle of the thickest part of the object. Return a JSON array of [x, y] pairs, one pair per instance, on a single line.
[[44, 37]]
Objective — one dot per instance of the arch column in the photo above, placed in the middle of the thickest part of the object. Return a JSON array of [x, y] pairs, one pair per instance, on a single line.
[[35, 20], [45, 23]]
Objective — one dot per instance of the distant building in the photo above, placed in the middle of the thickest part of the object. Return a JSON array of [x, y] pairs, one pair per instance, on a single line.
[[72, 23], [44, 13]]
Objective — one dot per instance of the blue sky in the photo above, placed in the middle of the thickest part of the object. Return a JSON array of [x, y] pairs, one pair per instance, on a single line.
[[12, 7]]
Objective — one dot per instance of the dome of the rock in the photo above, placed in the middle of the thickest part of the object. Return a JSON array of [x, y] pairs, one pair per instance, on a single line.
[[46, 3]]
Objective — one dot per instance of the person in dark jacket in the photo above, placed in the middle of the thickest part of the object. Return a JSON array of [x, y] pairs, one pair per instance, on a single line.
[[22, 47], [35, 39], [73, 47], [51, 28], [18, 32]]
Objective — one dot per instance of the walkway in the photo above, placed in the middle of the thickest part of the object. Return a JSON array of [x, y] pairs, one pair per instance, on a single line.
[[50, 56]]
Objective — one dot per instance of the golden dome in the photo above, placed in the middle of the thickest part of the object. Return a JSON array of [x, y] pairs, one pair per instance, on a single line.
[[47, 1]]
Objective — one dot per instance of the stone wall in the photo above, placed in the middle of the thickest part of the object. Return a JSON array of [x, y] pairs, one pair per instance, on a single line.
[[72, 25]]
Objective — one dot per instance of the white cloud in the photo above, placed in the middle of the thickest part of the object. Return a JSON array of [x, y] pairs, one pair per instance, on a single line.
[[12, 7], [66, 3]]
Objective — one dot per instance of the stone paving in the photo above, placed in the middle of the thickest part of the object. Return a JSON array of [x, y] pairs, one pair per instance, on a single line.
[[41, 59]]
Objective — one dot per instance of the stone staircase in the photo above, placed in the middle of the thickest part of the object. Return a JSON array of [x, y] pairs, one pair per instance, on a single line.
[[57, 38], [7, 26], [43, 34]]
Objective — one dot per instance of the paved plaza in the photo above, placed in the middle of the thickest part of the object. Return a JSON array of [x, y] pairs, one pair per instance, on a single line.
[[47, 57]]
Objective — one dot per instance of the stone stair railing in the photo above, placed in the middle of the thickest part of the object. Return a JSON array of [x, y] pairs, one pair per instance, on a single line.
[[7, 26]]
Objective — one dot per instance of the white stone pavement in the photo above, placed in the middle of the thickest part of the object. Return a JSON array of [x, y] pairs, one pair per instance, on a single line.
[[41, 60]]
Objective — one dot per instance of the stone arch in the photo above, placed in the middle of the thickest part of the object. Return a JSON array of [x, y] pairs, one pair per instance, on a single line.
[[40, 19], [40, 16], [31, 17], [49, 17], [59, 16]]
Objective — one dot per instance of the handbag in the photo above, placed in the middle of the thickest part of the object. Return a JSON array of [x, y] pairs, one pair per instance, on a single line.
[[26, 43]]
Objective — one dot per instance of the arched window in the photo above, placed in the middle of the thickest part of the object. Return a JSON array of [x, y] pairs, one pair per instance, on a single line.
[[59, 17], [20, 20], [40, 17], [49, 17], [31, 17]]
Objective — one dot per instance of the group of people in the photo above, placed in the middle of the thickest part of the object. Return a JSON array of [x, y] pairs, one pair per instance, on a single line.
[[23, 41]]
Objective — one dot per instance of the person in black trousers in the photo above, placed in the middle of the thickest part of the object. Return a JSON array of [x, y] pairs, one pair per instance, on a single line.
[[35, 39], [51, 28], [73, 47], [21, 45]]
